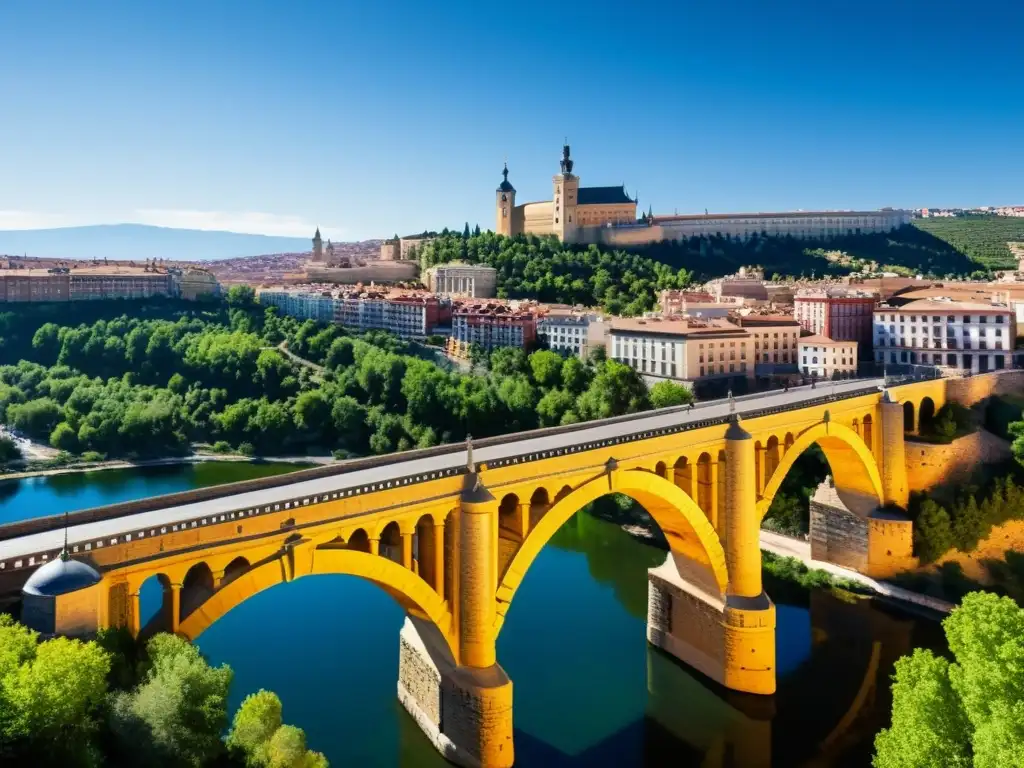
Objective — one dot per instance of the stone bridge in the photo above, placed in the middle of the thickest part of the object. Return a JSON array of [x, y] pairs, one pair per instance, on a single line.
[[450, 533]]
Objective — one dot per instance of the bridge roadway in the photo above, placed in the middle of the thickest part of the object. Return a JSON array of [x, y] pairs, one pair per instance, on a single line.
[[351, 479]]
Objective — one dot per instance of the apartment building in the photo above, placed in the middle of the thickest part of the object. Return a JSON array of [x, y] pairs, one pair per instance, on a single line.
[[825, 358], [773, 342], [572, 332], [491, 324], [970, 337], [410, 315], [106, 282], [836, 313], [685, 349]]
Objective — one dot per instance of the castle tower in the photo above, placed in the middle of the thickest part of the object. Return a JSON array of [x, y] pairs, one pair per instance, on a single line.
[[318, 247], [505, 203], [566, 198]]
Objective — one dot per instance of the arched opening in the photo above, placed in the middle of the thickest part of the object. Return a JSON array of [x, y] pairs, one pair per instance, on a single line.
[[511, 529], [704, 484], [690, 536], [539, 504], [391, 542], [772, 457], [683, 476], [716, 512], [509, 518], [787, 444], [196, 588], [908, 417], [359, 541], [234, 569], [425, 550], [867, 435], [823, 450], [925, 414], [565, 491], [154, 604], [661, 469]]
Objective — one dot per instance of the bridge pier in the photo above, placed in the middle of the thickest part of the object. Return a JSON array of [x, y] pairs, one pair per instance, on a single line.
[[463, 705], [729, 638]]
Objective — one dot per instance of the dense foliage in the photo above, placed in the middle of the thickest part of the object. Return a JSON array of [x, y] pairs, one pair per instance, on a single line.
[[627, 282], [789, 512], [981, 238], [67, 702], [966, 521], [968, 712], [151, 387]]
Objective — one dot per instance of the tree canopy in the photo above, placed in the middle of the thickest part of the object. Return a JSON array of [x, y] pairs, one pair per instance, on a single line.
[[968, 712]]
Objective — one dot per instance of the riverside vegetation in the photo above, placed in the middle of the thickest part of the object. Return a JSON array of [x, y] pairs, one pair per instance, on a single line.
[[144, 386], [112, 702]]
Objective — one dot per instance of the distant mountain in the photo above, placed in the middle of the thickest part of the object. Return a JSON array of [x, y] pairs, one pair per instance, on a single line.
[[140, 242]]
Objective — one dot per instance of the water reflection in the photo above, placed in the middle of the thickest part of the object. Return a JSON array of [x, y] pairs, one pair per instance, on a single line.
[[54, 494]]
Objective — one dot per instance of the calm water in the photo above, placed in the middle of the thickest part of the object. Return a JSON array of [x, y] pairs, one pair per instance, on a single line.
[[56, 494], [589, 691]]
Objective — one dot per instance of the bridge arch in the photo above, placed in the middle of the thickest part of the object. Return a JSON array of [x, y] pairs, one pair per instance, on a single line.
[[853, 466], [409, 590], [685, 526]]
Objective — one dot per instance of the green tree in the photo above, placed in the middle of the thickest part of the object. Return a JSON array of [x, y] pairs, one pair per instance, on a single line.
[[546, 367], [64, 438], [241, 296], [553, 406], [617, 389], [50, 699], [666, 393], [177, 713], [36, 417], [575, 375], [933, 534], [9, 450], [969, 712]]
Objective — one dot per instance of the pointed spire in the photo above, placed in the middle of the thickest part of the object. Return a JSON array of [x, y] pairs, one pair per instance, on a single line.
[[64, 554]]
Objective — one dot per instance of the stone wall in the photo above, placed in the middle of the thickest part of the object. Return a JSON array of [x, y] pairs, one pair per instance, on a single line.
[[837, 535], [973, 389], [932, 464], [465, 712]]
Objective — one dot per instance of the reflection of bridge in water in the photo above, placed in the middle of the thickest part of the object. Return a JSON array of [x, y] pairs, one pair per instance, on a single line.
[[450, 534]]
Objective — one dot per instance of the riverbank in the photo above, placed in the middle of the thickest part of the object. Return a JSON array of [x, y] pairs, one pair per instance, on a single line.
[[196, 458], [637, 523]]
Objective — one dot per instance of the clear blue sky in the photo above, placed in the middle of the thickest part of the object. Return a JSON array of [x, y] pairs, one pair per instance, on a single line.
[[372, 118]]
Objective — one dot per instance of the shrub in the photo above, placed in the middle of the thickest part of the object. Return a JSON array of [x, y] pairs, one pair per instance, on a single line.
[[221, 446], [933, 534], [246, 449]]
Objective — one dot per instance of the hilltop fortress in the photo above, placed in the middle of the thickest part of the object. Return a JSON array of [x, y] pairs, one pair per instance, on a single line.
[[607, 215]]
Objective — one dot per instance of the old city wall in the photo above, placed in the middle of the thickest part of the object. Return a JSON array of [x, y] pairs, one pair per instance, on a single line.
[[930, 465]]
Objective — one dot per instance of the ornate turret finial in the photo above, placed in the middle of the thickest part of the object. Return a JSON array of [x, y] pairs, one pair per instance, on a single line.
[[504, 172], [64, 554], [732, 401], [469, 455], [566, 162]]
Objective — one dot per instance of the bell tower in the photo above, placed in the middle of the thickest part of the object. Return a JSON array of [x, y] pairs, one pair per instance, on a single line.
[[505, 203], [567, 188], [318, 246]]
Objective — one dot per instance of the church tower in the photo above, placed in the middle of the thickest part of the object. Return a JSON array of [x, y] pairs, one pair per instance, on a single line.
[[505, 203], [567, 187], [318, 247]]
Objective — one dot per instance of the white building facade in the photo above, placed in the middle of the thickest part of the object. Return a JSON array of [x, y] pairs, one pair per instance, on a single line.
[[969, 337], [800, 224], [824, 358], [572, 333]]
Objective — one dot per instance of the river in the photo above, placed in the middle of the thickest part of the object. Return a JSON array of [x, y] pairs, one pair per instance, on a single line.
[[589, 690]]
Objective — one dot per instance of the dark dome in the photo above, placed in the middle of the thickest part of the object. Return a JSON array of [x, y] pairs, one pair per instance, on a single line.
[[59, 577]]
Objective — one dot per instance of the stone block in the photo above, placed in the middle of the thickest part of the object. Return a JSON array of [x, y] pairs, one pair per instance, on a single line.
[[465, 712]]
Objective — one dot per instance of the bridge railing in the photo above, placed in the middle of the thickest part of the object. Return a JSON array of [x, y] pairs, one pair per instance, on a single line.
[[155, 503]]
